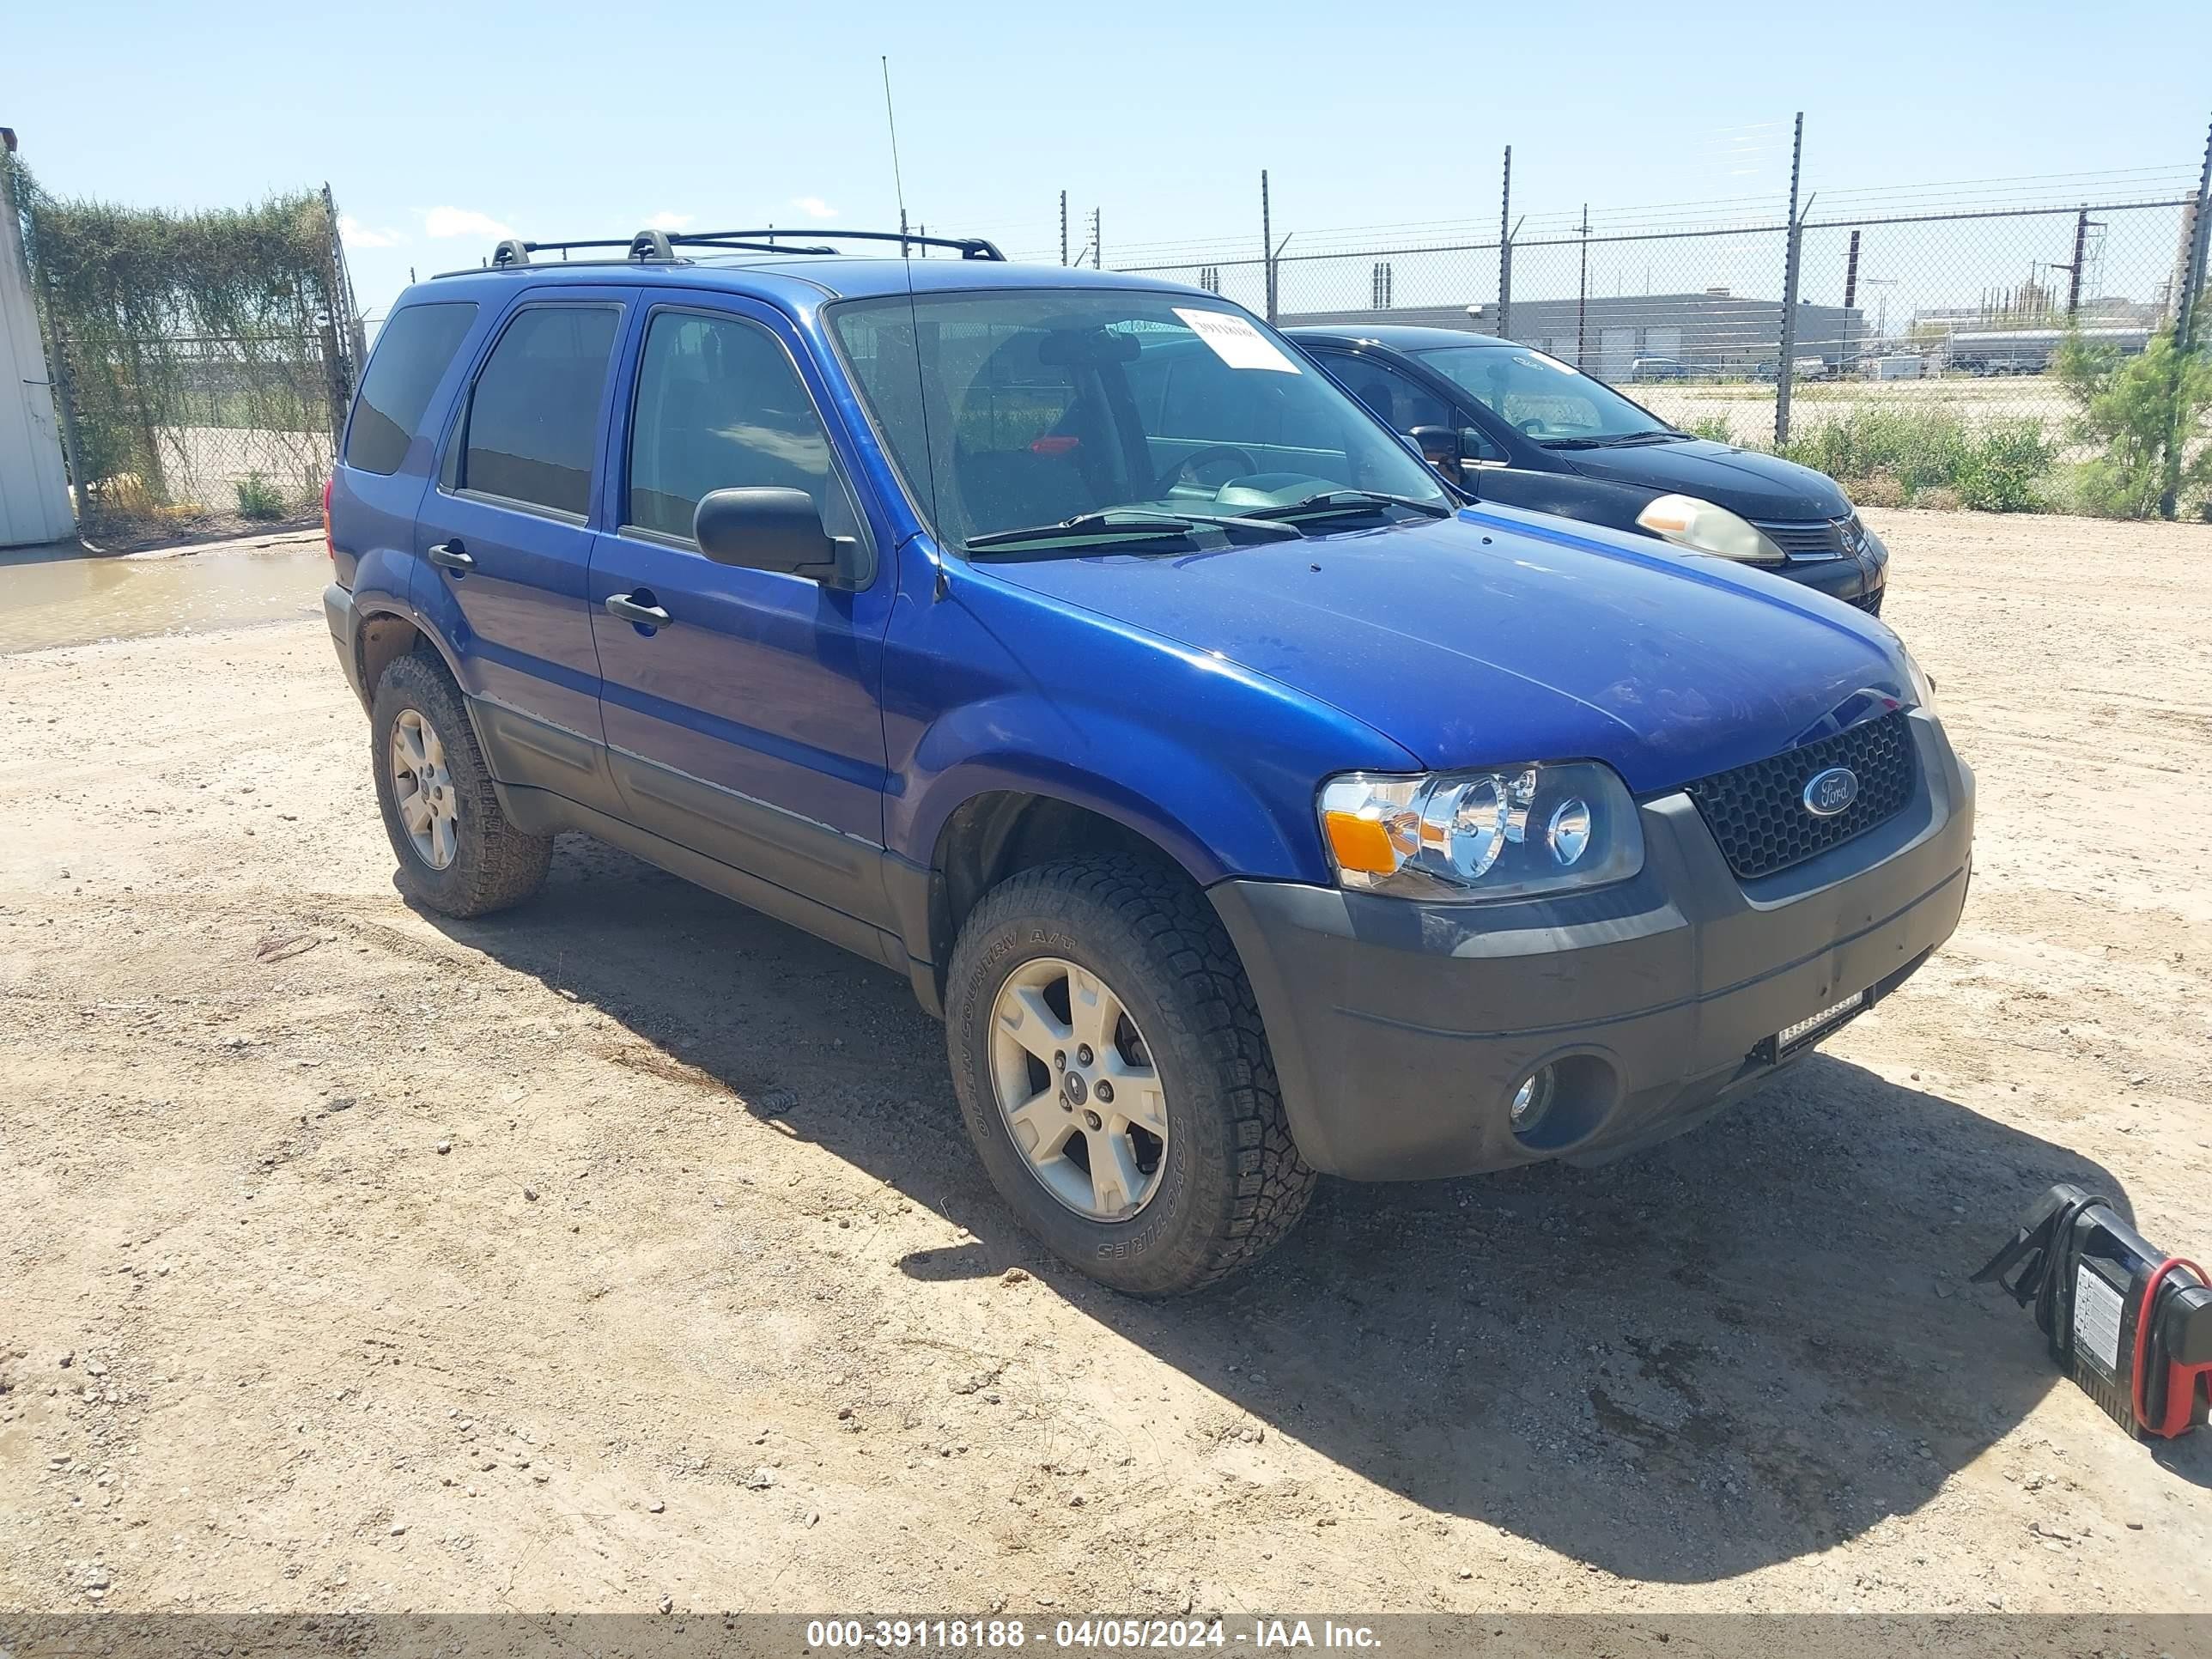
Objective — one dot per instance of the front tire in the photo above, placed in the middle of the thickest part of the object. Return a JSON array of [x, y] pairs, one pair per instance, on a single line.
[[1115, 1077], [458, 853]]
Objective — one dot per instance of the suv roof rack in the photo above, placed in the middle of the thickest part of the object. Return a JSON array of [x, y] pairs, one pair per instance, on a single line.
[[659, 247]]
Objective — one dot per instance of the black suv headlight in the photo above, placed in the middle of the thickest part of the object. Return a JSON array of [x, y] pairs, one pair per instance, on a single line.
[[1540, 828]]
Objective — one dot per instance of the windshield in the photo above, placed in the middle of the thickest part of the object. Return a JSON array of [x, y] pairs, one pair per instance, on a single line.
[[1542, 396], [1140, 414]]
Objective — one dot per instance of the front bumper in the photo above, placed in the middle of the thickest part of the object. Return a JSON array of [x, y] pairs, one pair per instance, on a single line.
[[1400, 1030], [1857, 582]]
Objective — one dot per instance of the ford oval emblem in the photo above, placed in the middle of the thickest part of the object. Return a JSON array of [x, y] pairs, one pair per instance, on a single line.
[[1828, 792]]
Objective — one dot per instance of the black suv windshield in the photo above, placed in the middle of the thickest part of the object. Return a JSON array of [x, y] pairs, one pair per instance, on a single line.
[[1544, 398], [1021, 410]]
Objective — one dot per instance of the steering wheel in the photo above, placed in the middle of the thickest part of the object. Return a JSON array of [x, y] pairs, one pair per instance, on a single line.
[[1529, 427], [1186, 469]]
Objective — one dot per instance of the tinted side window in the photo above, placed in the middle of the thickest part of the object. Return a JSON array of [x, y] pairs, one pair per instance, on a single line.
[[413, 351], [719, 407], [534, 415], [1402, 402]]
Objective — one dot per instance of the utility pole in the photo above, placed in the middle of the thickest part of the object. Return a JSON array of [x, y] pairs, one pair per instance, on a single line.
[[1505, 252], [1786, 347], [2074, 271], [1582, 302], [1063, 227]]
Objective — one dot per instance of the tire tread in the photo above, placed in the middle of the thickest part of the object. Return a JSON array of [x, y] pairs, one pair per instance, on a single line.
[[505, 865], [1169, 919]]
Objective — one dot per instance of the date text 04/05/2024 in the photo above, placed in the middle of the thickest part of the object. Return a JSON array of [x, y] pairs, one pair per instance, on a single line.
[[1086, 1635]]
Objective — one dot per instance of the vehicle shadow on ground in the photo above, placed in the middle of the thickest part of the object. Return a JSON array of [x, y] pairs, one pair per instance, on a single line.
[[1742, 1347]]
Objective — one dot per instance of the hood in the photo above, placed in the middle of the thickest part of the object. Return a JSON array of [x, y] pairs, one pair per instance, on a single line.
[[1744, 481], [1500, 636]]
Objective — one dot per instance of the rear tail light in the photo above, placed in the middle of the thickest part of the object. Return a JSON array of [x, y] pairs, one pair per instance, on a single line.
[[330, 544]]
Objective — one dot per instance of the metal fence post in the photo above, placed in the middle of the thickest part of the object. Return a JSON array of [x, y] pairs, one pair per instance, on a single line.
[[1063, 227], [2194, 273], [1786, 348], [1266, 248], [1505, 252], [1582, 302], [342, 347]]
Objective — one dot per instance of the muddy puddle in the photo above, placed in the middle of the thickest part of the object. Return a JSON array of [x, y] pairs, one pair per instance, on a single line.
[[47, 600]]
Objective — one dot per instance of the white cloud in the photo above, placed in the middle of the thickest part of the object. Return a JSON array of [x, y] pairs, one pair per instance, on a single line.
[[357, 234], [814, 207], [449, 221], [665, 221]]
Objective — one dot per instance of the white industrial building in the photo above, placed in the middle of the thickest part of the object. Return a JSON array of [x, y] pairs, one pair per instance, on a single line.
[[35, 498]]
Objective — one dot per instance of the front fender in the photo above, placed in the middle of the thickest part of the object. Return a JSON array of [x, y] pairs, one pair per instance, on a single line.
[[995, 687], [1201, 815]]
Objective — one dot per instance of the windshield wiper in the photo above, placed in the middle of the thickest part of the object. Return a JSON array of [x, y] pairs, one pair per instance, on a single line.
[[1122, 524], [1654, 436], [1352, 500]]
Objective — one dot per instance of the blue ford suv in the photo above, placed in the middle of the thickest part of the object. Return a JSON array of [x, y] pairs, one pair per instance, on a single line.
[[1250, 804]]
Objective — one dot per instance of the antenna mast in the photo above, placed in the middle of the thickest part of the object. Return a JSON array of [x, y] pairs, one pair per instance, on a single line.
[[899, 184]]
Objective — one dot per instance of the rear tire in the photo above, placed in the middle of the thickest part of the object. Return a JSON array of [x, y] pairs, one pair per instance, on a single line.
[[458, 853], [1221, 1182]]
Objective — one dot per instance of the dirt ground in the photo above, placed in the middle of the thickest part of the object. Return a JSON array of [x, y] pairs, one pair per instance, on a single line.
[[626, 1249]]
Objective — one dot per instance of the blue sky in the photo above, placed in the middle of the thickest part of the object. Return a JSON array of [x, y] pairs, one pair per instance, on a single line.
[[438, 125]]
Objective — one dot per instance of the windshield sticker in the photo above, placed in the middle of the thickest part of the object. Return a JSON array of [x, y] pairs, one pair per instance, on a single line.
[[1235, 341]]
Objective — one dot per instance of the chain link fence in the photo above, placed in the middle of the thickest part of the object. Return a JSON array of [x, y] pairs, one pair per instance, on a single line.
[[1908, 312], [1899, 346], [202, 363]]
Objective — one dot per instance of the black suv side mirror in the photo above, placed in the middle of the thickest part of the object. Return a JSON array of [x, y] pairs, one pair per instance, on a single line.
[[758, 529]]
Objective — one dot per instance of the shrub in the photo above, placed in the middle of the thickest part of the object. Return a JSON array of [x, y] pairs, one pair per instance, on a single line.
[[2003, 467], [2148, 414], [1714, 428], [1930, 458], [259, 499]]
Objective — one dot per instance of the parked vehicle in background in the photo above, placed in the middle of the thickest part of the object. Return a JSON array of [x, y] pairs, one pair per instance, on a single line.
[[1250, 802], [1808, 368], [1653, 369], [1539, 433]]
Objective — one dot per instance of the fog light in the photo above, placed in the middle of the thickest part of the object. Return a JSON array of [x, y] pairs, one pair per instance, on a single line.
[[1533, 1099]]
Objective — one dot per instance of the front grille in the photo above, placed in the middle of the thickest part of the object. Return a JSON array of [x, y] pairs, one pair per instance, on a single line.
[[1757, 812], [1813, 539]]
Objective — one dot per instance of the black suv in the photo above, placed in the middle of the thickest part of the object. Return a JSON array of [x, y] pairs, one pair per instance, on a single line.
[[1524, 429]]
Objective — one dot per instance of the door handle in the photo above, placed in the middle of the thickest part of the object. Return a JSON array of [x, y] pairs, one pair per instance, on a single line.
[[453, 555], [627, 606]]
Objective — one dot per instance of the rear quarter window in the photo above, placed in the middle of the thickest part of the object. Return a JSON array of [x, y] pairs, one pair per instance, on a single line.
[[413, 351]]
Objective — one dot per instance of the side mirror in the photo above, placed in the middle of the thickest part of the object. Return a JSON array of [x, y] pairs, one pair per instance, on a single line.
[[1441, 447], [766, 530]]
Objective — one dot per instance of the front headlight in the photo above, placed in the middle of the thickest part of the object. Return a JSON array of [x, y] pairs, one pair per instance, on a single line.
[[1923, 688], [1688, 522], [1519, 829]]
